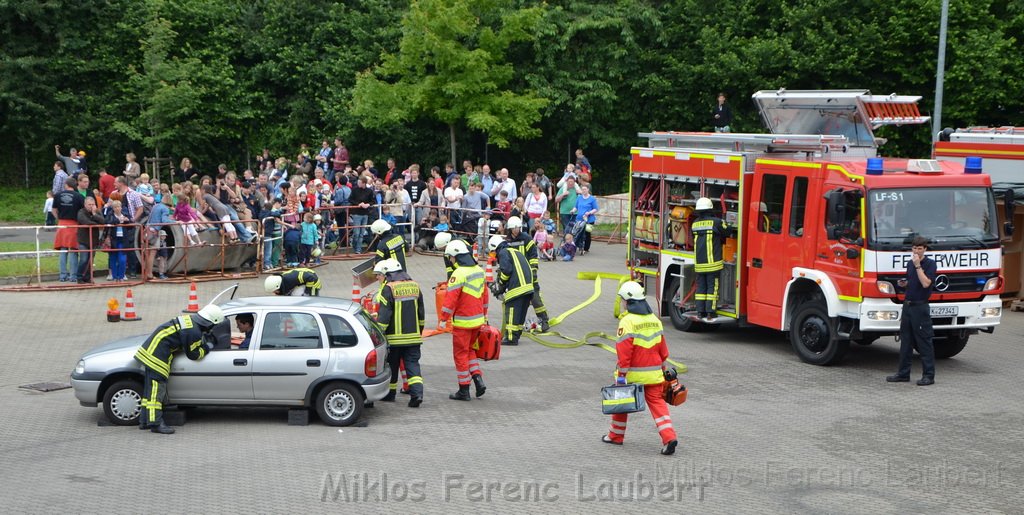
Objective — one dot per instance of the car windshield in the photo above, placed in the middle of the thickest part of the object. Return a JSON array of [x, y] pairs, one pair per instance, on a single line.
[[951, 218]]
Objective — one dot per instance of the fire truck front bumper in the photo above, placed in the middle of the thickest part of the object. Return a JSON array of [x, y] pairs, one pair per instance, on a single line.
[[883, 315]]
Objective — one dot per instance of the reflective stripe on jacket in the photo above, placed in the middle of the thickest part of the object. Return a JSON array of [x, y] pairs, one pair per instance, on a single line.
[[180, 333], [299, 277], [392, 247], [514, 273], [465, 304], [708, 233], [641, 348], [401, 312]]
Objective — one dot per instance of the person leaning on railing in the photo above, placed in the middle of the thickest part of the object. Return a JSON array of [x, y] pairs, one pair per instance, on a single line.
[[91, 221]]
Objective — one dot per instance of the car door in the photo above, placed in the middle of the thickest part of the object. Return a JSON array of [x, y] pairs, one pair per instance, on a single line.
[[290, 354], [223, 376]]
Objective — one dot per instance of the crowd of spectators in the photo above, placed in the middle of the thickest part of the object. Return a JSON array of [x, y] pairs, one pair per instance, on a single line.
[[318, 200]]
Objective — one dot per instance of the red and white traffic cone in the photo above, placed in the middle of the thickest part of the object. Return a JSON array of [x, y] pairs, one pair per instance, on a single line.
[[489, 273], [193, 299], [129, 308], [357, 292], [404, 376]]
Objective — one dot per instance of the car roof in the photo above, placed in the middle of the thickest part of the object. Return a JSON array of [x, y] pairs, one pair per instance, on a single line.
[[292, 302]]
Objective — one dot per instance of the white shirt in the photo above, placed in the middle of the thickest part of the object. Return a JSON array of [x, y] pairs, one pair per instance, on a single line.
[[453, 197], [509, 185]]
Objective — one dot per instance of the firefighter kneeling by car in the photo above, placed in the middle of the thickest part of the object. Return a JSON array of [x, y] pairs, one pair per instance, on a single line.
[[189, 333], [298, 282], [642, 352], [465, 304], [401, 316], [515, 281]]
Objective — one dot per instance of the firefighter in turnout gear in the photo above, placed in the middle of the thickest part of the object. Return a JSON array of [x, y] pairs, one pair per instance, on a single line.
[[389, 244], [642, 352], [297, 282], [401, 316], [708, 233], [465, 304], [515, 281], [522, 240], [191, 334]]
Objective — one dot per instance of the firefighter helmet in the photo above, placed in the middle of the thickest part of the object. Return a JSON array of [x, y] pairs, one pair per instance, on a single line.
[[211, 314], [513, 223], [272, 284], [762, 207], [678, 213], [316, 252], [455, 248], [495, 240], [441, 240], [704, 204], [387, 266], [380, 227], [631, 290]]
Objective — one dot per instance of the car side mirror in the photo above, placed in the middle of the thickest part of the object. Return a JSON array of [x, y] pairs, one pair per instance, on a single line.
[[852, 253]]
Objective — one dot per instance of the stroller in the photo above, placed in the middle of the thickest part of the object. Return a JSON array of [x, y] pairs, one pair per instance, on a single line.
[[577, 229]]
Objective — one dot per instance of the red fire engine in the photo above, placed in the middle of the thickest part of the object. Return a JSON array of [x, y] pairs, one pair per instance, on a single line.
[[823, 226]]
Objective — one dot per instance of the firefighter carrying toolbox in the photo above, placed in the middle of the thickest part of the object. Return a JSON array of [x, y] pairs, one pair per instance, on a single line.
[[623, 398]]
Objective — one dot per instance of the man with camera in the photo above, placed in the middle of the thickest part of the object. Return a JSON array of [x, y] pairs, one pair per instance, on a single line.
[[503, 183]]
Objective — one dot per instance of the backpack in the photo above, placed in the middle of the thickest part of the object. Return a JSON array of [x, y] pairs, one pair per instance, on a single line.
[[488, 343]]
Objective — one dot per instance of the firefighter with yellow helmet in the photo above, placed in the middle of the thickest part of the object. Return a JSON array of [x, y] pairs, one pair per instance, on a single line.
[[401, 316], [515, 282], [297, 282], [709, 232], [191, 334], [642, 351]]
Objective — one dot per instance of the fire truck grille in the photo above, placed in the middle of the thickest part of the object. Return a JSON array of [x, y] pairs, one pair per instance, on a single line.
[[971, 282]]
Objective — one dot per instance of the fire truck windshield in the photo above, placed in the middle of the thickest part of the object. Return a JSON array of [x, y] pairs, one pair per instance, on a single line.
[[951, 218]]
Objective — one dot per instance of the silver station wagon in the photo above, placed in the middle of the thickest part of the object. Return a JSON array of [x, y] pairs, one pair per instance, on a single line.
[[316, 352]]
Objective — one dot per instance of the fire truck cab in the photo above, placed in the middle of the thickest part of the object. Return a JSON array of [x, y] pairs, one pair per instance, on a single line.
[[822, 225]]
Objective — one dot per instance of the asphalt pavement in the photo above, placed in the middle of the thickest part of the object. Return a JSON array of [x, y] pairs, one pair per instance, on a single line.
[[761, 431]]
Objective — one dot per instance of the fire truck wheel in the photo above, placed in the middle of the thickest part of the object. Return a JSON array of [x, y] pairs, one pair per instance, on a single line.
[[679, 319], [950, 343], [813, 335]]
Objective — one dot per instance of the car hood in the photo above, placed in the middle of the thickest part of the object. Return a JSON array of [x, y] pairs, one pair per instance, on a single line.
[[130, 342]]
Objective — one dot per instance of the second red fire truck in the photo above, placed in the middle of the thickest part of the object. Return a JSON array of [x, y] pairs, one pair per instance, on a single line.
[[823, 225]]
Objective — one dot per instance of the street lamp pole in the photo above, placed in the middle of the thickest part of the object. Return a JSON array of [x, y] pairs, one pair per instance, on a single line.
[[940, 72]]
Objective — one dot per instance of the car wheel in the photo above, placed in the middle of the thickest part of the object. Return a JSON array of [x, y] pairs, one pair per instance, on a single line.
[[122, 402], [339, 404], [813, 335]]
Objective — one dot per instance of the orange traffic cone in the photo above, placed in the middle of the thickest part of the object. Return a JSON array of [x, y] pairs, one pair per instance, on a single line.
[[489, 273], [357, 292], [129, 308], [193, 299]]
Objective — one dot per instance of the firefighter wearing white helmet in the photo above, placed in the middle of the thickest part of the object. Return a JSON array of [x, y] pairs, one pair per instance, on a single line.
[[298, 282], [515, 282], [521, 239], [441, 242], [401, 314], [465, 306], [709, 232], [191, 334], [642, 351], [389, 245]]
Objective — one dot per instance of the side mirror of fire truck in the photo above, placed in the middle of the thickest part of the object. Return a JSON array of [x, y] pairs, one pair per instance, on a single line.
[[1009, 206], [834, 213]]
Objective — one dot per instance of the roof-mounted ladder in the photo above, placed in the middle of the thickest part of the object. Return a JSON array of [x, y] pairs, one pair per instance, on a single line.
[[745, 142]]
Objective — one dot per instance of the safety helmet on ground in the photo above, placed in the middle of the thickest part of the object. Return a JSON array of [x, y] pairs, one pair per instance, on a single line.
[[495, 240], [387, 266], [704, 203], [380, 227], [441, 239], [631, 290], [272, 284], [455, 248], [514, 222], [317, 218], [316, 252], [211, 314]]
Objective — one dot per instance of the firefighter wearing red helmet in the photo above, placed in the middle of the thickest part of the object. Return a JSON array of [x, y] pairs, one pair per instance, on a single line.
[[642, 352], [709, 231], [465, 304]]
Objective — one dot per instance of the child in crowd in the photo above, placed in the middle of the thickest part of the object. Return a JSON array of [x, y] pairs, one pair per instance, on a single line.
[[165, 190], [318, 220], [389, 218], [568, 249], [144, 187], [310, 235], [442, 224], [48, 209], [188, 216], [175, 193], [540, 235], [548, 222], [292, 240], [518, 209], [503, 206], [547, 250], [273, 230]]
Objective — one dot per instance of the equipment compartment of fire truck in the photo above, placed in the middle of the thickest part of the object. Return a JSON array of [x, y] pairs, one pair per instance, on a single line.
[[822, 226]]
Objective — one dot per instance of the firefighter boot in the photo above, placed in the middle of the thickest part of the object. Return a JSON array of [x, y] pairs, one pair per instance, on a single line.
[[669, 448], [462, 394], [509, 342], [163, 429], [390, 397], [545, 323], [415, 401], [480, 386]]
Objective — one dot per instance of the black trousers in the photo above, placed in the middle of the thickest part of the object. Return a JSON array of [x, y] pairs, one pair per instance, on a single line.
[[154, 395], [410, 355], [707, 292], [514, 311], [538, 303], [916, 331]]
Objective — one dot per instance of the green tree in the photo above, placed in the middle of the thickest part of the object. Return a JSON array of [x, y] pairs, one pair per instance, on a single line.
[[451, 67]]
